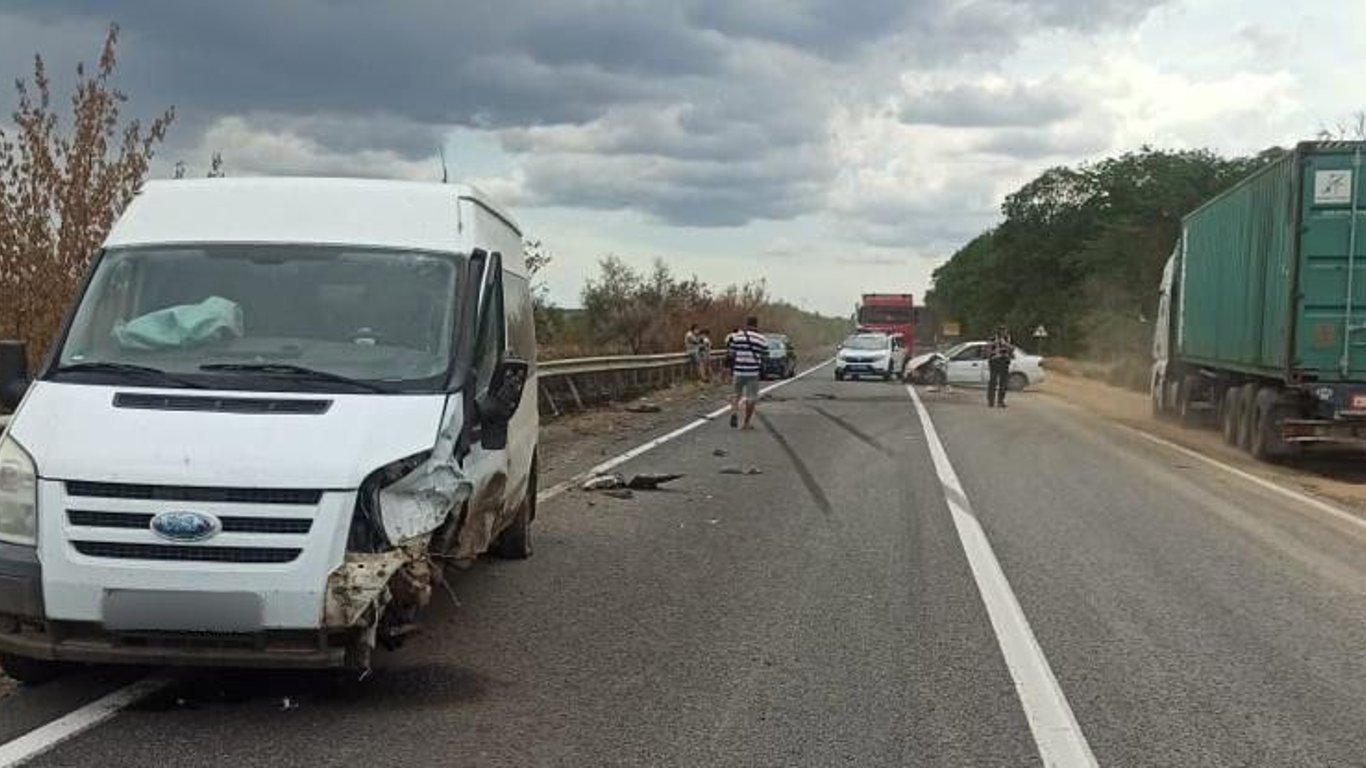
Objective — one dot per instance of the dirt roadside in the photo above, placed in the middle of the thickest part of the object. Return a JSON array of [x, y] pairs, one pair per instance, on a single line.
[[1337, 476]]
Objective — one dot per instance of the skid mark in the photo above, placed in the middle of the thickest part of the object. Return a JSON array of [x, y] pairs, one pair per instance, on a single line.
[[859, 434], [803, 472]]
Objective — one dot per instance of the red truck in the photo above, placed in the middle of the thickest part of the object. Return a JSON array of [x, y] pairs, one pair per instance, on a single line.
[[889, 313]]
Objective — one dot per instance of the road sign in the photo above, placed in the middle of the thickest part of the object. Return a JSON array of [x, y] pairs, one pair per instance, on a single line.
[[951, 330], [1041, 332]]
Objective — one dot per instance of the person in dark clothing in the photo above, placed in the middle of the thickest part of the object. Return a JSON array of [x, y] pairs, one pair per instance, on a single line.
[[1000, 351]]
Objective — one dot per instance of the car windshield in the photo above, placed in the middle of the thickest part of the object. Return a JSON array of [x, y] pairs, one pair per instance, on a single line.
[[297, 316], [867, 342]]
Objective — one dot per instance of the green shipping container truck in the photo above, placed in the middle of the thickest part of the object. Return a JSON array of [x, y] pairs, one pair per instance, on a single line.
[[1262, 315]]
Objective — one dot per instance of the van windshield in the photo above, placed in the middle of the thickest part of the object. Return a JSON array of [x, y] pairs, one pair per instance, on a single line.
[[277, 317]]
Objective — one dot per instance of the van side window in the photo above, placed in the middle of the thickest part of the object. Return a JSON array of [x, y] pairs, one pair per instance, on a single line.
[[521, 325], [491, 339]]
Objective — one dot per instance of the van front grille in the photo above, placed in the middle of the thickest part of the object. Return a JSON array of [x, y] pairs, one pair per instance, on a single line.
[[124, 551], [297, 496], [231, 524]]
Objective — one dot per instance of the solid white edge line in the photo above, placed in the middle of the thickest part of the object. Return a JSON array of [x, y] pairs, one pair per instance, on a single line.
[[616, 461], [1289, 493], [45, 737], [1051, 720]]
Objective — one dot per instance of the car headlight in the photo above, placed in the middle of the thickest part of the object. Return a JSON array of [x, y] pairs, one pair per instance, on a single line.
[[18, 495]]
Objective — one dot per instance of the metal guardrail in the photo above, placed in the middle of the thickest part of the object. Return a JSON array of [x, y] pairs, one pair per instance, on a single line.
[[590, 365]]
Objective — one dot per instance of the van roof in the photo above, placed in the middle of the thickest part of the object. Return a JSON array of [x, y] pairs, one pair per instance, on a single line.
[[370, 212]]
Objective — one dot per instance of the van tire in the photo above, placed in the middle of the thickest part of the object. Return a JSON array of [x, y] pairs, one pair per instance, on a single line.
[[514, 543], [31, 671]]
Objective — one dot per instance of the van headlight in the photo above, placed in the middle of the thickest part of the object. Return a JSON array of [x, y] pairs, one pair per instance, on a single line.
[[18, 494]]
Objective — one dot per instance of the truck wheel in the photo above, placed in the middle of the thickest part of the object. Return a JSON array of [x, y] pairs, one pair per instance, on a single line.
[[514, 543], [1232, 414], [1016, 382], [1185, 393], [1268, 444], [31, 671], [1247, 415]]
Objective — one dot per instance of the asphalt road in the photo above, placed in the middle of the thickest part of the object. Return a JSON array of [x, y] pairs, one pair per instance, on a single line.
[[823, 612]]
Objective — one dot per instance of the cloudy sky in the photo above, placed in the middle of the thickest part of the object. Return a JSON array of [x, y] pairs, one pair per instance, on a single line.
[[829, 147]]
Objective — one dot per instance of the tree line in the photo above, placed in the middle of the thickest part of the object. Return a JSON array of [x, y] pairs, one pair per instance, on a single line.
[[1080, 251]]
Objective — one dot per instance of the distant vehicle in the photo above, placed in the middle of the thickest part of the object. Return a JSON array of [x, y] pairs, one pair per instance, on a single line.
[[781, 362], [966, 364], [890, 313], [871, 354], [1261, 320], [276, 403]]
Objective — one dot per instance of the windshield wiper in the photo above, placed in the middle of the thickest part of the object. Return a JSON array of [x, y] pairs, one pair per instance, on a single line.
[[298, 371], [96, 366]]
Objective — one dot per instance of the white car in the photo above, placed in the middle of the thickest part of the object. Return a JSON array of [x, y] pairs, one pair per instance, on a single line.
[[966, 364], [871, 354]]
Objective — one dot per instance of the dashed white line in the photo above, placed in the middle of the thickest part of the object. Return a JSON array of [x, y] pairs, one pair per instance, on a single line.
[[1056, 732], [44, 738], [616, 461]]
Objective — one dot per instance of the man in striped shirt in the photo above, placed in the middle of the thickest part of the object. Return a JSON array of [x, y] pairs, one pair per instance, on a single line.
[[749, 348]]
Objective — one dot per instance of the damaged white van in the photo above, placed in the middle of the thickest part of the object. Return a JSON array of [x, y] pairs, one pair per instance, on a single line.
[[278, 408]]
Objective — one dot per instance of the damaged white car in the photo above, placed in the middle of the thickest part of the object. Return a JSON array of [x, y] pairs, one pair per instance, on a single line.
[[278, 409]]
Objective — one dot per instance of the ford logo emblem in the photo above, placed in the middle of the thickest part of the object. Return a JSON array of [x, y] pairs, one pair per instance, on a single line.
[[185, 526]]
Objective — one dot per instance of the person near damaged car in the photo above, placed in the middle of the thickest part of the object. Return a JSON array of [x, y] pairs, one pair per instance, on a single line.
[[1000, 351]]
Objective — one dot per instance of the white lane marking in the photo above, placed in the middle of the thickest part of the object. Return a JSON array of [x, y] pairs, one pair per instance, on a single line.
[[45, 737], [1322, 506], [1056, 732], [616, 461]]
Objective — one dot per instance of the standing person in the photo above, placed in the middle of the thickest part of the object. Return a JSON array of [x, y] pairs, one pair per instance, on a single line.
[[749, 347], [692, 344], [728, 365], [706, 355], [1000, 350]]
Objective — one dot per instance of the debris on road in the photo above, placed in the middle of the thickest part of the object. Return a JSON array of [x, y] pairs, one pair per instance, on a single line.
[[720, 452], [821, 396], [642, 407], [604, 482], [650, 482], [739, 471], [620, 493]]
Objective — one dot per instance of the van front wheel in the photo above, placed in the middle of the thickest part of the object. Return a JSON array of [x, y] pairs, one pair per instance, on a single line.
[[514, 543], [31, 671]]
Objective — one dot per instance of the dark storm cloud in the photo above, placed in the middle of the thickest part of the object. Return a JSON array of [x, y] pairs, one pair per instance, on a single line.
[[709, 112]]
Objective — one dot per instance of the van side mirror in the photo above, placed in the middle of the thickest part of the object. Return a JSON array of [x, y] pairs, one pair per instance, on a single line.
[[14, 378], [498, 403]]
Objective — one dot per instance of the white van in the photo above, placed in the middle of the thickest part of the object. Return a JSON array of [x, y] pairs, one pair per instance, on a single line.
[[277, 407]]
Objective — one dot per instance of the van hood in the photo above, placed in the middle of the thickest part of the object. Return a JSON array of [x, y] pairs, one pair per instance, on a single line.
[[76, 432]]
